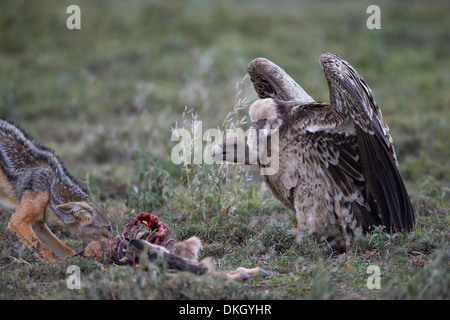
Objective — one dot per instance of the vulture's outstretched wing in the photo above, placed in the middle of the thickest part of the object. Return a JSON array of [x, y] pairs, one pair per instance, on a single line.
[[270, 81], [350, 94], [385, 190]]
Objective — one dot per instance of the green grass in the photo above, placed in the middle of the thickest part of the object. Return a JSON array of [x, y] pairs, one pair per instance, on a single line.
[[106, 98]]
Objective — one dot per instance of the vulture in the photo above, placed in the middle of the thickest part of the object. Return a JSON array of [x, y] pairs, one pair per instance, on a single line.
[[337, 168]]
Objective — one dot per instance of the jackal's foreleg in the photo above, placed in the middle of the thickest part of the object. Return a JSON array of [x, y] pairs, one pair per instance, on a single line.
[[50, 240], [31, 208]]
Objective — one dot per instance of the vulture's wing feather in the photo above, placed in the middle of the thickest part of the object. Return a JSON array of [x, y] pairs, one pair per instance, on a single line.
[[350, 94], [386, 192], [270, 81]]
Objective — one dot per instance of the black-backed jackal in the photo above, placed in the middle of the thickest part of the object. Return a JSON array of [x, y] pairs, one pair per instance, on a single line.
[[37, 189]]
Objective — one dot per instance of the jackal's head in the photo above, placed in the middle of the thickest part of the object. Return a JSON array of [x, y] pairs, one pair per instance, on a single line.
[[85, 220]]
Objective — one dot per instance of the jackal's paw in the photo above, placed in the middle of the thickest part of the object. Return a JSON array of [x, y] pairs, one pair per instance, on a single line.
[[96, 250]]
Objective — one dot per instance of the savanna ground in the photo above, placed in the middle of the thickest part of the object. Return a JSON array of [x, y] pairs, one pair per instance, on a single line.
[[107, 97]]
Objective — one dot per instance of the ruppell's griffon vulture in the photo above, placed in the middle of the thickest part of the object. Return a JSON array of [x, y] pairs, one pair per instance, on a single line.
[[337, 166]]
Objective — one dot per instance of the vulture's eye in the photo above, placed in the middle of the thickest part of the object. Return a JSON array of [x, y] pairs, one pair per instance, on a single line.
[[260, 123]]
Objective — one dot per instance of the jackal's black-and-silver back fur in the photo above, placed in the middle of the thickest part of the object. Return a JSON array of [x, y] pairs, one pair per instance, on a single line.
[[31, 166]]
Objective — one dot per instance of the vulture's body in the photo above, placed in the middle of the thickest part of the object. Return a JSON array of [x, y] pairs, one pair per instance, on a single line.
[[337, 165]]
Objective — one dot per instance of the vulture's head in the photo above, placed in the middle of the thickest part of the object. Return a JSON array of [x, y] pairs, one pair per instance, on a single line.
[[263, 114], [265, 120]]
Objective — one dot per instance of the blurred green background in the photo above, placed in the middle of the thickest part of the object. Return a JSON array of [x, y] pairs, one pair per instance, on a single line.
[[106, 97]]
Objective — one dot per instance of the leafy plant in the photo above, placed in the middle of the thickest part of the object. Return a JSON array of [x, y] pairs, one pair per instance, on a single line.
[[380, 238]]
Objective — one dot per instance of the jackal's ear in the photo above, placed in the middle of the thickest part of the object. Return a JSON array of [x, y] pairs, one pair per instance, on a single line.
[[81, 210]]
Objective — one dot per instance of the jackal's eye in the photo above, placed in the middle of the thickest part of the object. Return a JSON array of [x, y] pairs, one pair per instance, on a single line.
[[108, 228]]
